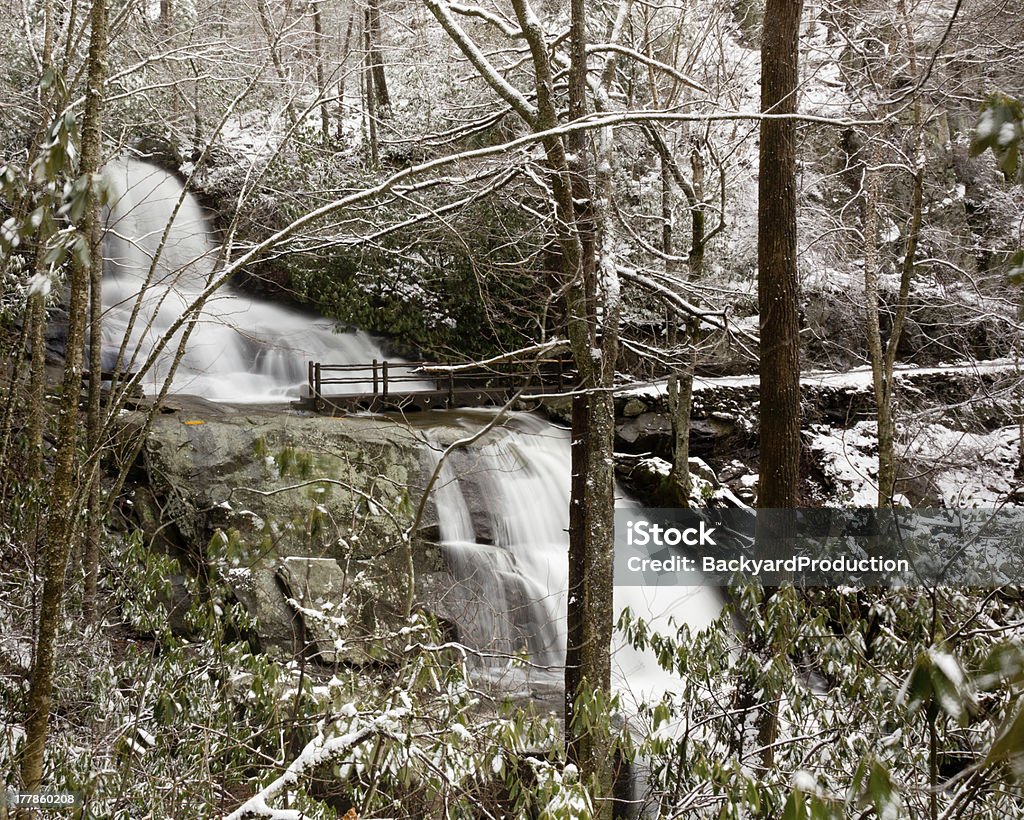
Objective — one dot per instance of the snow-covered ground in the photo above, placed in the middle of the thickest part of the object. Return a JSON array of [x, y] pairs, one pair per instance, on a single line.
[[955, 468], [858, 378]]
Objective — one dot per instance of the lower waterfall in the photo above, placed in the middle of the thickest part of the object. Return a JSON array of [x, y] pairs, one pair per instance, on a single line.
[[510, 560]]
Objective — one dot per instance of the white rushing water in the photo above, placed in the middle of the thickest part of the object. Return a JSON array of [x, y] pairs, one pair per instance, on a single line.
[[509, 561], [512, 592], [242, 349]]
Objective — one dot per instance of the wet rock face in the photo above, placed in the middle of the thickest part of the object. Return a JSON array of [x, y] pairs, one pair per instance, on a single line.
[[332, 496], [286, 484]]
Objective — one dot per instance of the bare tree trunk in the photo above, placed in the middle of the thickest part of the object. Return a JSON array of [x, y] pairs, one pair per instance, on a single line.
[[680, 399], [694, 194], [374, 38], [881, 375], [777, 281], [61, 525], [37, 301], [370, 96], [267, 24], [697, 215], [667, 225], [883, 357], [166, 18], [778, 303], [595, 351], [197, 112], [345, 51], [94, 427], [36, 384], [321, 82]]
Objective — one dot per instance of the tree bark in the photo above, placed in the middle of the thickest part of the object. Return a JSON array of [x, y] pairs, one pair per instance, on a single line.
[[371, 95], [680, 398], [321, 82], [883, 356], [778, 303], [595, 350], [37, 302], [777, 283], [61, 525], [94, 426], [374, 40], [698, 216], [36, 384]]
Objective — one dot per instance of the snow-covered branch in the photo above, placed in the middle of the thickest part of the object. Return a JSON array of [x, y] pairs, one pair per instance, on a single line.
[[443, 12], [633, 54], [318, 752], [503, 25], [532, 350]]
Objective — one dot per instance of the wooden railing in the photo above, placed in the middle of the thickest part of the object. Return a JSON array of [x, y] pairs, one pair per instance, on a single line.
[[420, 385]]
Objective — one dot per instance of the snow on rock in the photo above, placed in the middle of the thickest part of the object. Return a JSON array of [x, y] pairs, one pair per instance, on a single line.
[[849, 458], [950, 467], [966, 469]]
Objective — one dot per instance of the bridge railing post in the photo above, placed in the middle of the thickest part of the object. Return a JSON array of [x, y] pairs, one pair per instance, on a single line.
[[317, 382], [375, 387], [309, 380], [384, 369]]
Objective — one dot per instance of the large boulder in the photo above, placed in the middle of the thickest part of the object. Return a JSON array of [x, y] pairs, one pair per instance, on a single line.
[[306, 512]]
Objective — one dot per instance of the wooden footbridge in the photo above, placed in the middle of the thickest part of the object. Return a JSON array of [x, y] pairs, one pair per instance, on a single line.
[[411, 386]]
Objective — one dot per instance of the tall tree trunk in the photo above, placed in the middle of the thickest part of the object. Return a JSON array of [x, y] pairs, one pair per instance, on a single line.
[[777, 283], [321, 82], [778, 302], [698, 216], [883, 358], [346, 49], [267, 24], [94, 427], [680, 399], [63, 517], [694, 193], [376, 58], [36, 384], [166, 18], [37, 301], [592, 524], [370, 96], [876, 350]]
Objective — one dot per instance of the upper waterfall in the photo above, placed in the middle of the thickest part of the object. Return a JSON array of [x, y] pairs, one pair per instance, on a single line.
[[159, 256]]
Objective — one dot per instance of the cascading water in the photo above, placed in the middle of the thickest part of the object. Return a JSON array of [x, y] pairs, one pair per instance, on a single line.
[[506, 549], [242, 349], [509, 560], [510, 593]]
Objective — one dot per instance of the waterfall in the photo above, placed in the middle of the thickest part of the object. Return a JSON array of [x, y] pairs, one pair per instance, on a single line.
[[502, 503], [502, 507], [242, 349], [510, 561]]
